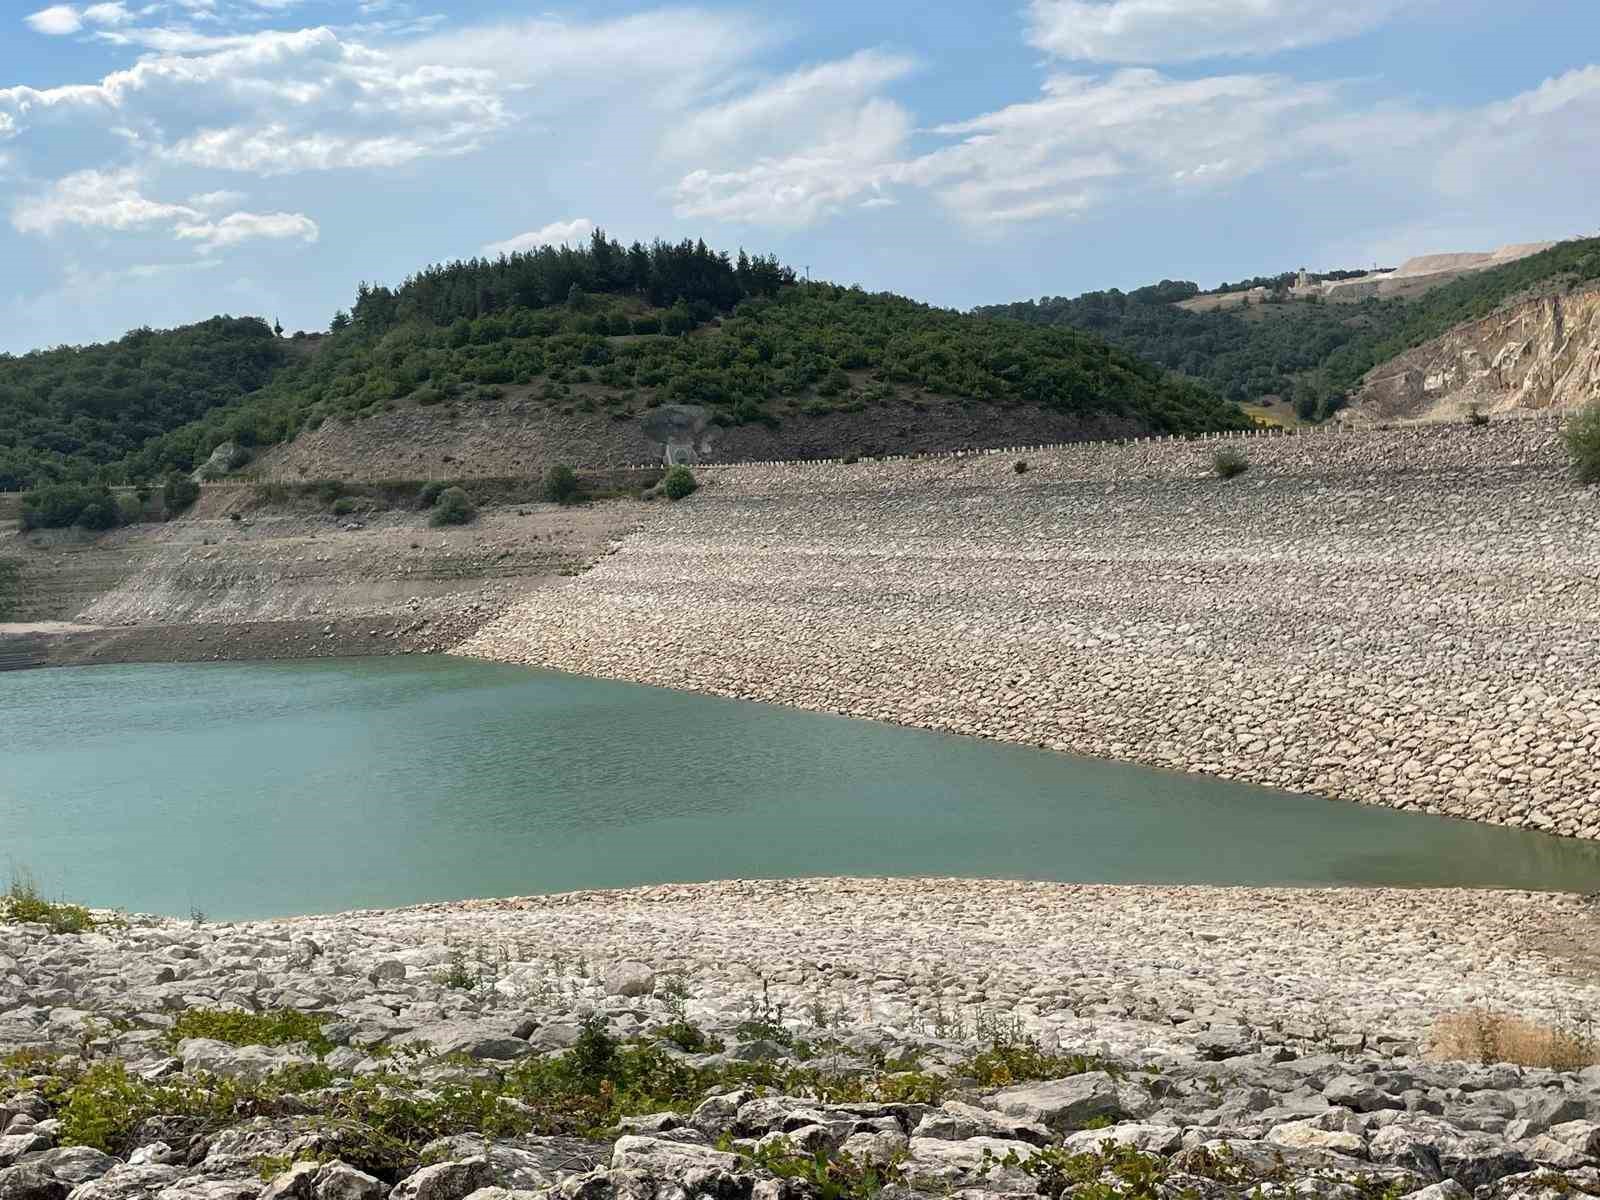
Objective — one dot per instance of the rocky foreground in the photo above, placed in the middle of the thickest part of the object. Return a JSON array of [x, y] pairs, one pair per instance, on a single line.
[[828, 1039], [1408, 618]]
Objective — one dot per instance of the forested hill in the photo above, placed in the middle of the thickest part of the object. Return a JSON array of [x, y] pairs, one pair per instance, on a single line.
[[1312, 352], [600, 329], [70, 412]]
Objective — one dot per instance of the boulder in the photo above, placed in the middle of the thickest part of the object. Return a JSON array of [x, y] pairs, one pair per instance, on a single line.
[[630, 978], [474, 1039], [14, 1145], [1064, 1104], [248, 1063], [1361, 1095], [128, 1182], [674, 1162], [941, 1166], [1151, 1139], [1438, 1151], [445, 1181], [30, 1182], [1309, 1135], [74, 1164], [340, 1181], [955, 1122]]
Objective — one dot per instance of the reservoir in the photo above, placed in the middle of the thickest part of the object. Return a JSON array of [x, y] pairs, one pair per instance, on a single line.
[[263, 789]]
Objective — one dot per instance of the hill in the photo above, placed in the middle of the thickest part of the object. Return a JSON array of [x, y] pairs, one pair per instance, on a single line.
[[582, 344], [77, 410], [1309, 350]]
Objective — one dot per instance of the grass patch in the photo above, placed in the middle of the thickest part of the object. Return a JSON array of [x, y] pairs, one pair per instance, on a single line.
[[23, 904], [280, 1027], [1482, 1036]]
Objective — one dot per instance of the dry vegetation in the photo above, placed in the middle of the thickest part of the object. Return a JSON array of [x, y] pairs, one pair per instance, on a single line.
[[1483, 1036]]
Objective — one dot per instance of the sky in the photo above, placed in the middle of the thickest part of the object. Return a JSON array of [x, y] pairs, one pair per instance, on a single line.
[[164, 160]]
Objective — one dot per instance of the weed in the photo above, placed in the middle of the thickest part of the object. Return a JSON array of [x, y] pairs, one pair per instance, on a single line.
[[765, 1022], [824, 1175], [1483, 1036], [21, 903], [280, 1027]]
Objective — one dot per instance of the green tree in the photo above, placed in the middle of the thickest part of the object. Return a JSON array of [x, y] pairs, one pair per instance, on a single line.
[[561, 484], [178, 493]]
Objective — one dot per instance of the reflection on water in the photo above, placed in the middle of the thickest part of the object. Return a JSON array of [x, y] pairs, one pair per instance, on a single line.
[[295, 787]]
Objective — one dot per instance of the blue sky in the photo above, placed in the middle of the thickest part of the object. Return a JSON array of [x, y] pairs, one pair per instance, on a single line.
[[162, 160]]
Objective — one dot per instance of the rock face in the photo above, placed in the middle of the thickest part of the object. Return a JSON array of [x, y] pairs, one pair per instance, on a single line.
[[1393, 617], [1540, 354]]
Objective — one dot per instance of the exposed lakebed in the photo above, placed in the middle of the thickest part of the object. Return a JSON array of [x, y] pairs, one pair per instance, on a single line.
[[273, 788]]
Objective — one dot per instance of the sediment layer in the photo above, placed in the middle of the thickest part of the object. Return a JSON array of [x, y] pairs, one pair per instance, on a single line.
[[1408, 618]]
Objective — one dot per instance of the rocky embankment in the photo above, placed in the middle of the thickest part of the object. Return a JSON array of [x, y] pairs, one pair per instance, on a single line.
[[236, 579], [1543, 353], [1408, 618], [805, 1039]]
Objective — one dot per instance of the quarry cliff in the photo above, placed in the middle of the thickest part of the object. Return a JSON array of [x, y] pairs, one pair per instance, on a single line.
[[1541, 353]]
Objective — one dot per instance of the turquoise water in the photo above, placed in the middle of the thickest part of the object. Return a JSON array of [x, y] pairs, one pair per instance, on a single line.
[[275, 788]]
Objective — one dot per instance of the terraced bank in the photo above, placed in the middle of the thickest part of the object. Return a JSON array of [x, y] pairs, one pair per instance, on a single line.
[[1408, 618]]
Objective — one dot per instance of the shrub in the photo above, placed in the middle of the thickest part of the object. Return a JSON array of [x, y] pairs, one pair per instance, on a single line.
[[1583, 444], [344, 506], [1228, 462], [454, 507], [56, 505], [1476, 416], [178, 493], [1020, 466], [279, 1027], [561, 484], [430, 493], [429, 396], [678, 483], [130, 509], [329, 490], [21, 903]]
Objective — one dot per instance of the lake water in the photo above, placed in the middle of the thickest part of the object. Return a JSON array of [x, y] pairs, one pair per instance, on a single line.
[[275, 788]]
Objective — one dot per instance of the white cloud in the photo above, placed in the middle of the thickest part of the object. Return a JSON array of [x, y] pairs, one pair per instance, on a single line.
[[557, 233], [113, 201], [796, 148], [1158, 31], [244, 226], [211, 201], [95, 200], [57, 21], [115, 13]]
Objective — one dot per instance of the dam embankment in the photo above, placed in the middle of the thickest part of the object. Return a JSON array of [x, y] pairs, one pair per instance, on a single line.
[[1408, 618]]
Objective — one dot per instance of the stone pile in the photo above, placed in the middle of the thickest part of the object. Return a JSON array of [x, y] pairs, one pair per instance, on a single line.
[[1406, 618], [1238, 1040]]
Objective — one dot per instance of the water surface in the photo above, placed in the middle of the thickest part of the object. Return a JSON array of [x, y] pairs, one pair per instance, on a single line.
[[274, 788]]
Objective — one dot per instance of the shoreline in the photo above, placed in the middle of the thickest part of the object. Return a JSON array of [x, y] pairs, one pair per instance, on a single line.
[[1392, 618]]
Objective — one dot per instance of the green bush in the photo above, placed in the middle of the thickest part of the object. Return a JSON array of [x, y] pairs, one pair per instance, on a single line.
[[178, 493], [430, 493], [58, 505], [344, 506], [1020, 466], [1228, 462], [130, 509], [560, 484], [1583, 444], [279, 1027], [678, 483], [454, 507], [21, 903]]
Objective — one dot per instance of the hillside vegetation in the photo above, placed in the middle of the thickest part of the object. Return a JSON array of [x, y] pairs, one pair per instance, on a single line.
[[599, 328], [72, 412], [1310, 351]]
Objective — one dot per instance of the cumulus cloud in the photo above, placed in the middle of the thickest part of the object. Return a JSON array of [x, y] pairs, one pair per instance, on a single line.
[[113, 201], [245, 226], [108, 14], [1160, 31], [56, 21], [557, 233]]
